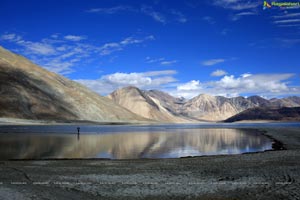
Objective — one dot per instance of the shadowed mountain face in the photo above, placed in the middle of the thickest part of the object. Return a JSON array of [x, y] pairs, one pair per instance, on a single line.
[[31, 92], [259, 113]]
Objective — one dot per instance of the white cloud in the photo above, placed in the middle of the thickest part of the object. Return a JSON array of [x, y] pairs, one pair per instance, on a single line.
[[150, 37], [246, 13], [130, 40], [128, 79], [55, 36], [289, 25], [286, 21], [111, 10], [242, 14], [58, 55], [287, 15], [161, 61], [225, 31], [157, 16], [168, 15], [245, 75], [170, 62], [254, 83], [246, 84], [286, 42], [60, 67], [144, 80], [179, 16], [159, 73], [218, 72], [188, 90], [74, 38], [10, 37], [192, 85], [109, 48], [37, 48], [209, 19], [213, 62], [154, 60], [237, 5]]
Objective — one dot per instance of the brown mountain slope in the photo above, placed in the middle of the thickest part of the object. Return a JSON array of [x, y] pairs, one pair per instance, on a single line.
[[139, 102], [30, 92], [278, 114]]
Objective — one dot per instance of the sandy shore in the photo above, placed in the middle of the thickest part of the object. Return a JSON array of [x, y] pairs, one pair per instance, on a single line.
[[267, 175]]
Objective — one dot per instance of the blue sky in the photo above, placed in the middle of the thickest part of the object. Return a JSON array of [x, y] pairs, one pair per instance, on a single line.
[[188, 47]]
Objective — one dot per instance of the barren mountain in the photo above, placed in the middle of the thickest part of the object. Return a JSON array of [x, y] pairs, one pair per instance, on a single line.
[[161, 106], [294, 99], [259, 101], [148, 104], [215, 108], [169, 102], [31, 92], [285, 102]]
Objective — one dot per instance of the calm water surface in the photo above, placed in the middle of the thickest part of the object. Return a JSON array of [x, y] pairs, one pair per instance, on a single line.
[[124, 142]]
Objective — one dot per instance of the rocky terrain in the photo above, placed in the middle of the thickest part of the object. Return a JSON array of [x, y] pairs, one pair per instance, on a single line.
[[267, 175], [31, 92], [265, 113]]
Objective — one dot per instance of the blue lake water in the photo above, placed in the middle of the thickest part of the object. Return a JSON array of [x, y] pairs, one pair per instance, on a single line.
[[132, 142]]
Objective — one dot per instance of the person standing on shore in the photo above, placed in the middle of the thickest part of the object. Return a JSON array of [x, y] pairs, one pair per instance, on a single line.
[[78, 133]]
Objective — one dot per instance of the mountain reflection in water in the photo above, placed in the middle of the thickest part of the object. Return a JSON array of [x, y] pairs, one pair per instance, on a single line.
[[167, 144]]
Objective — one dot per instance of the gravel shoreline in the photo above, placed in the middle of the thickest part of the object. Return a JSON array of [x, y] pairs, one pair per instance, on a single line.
[[265, 175]]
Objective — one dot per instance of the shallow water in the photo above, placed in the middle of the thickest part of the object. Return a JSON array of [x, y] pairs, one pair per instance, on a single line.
[[127, 142]]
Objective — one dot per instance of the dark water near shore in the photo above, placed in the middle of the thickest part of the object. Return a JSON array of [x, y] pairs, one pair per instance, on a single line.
[[129, 142]]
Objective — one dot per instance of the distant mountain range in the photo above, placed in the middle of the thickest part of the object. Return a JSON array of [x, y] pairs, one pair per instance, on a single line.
[[31, 92], [161, 106]]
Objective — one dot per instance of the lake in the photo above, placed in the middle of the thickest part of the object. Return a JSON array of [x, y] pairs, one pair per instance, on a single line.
[[130, 142]]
